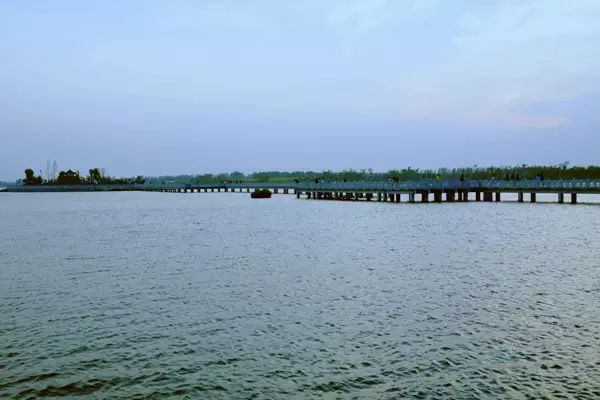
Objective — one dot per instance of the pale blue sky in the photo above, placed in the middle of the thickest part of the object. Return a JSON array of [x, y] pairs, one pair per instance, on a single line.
[[182, 86]]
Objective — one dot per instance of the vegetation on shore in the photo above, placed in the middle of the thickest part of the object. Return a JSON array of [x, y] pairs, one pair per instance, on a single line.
[[560, 171], [95, 177]]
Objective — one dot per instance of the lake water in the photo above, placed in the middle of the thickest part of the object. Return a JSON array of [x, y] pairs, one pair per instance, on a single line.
[[158, 295]]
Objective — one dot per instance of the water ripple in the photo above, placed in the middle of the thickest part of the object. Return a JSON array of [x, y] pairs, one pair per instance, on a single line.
[[142, 295]]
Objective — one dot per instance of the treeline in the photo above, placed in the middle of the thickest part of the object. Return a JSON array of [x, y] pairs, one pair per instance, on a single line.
[[561, 171], [95, 177]]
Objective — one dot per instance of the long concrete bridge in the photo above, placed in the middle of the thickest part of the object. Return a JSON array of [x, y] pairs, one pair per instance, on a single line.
[[415, 191], [449, 191]]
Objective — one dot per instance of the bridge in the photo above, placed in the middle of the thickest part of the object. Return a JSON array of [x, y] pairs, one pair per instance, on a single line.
[[413, 191], [449, 191]]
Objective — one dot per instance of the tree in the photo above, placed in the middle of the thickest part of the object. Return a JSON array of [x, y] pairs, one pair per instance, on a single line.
[[31, 179], [68, 178], [95, 176]]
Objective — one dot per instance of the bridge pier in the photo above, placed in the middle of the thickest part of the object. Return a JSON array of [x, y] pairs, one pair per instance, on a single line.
[[477, 195], [497, 196], [520, 197], [533, 197], [561, 198], [437, 196], [424, 197], [487, 196], [411, 197], [573, 198], [398, 199]]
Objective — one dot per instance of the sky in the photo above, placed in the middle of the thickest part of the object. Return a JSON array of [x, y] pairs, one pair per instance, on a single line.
[[154, 87]]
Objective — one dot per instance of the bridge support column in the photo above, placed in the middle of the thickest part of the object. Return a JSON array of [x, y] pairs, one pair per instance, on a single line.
[[379, 196], [573, 198], [424, 197], [450, 196], [487, 196], [368, 196], [533, 198], [437, 196], [397, 197], [520, 197], [497, 196], [275, 190], [561, 197], [297, 195], [411, 197], [478, 196]]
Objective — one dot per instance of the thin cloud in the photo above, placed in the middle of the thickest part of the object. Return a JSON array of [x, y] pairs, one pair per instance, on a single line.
[[507, 58]]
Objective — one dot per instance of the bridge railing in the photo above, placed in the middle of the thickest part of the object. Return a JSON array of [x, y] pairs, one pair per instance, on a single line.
[[453, 185], [546, 185]]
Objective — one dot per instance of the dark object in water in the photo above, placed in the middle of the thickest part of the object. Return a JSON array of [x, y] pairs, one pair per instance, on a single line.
[[261, 194]]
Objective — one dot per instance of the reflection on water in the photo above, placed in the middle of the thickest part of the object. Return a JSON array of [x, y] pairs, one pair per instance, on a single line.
[[151, 295]]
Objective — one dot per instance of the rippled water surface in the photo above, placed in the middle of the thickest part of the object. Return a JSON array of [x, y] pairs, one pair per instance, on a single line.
[[158, 295]]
